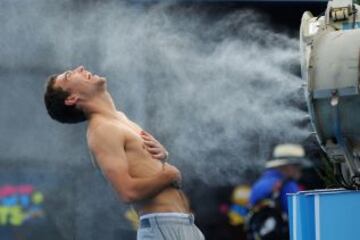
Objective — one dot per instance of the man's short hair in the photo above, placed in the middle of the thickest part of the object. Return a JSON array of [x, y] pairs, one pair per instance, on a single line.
[[54, 98]]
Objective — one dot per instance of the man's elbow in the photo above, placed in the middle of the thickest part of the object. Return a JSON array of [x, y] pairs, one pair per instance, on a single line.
[[129, 196]]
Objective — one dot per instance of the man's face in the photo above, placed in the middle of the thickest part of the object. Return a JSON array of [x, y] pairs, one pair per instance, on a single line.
[[80, 83], [294, 171]]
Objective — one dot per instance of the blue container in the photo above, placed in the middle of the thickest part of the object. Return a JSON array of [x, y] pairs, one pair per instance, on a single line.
[[324, 215]]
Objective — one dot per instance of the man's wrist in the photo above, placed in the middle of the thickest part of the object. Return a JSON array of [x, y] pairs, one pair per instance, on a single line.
[[166, 157], [176, 184]]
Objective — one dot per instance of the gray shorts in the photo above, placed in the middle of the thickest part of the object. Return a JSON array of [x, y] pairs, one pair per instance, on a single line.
[[168, 226]]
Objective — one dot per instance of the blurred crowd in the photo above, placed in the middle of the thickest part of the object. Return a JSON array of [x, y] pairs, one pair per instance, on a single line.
[[258, 210]]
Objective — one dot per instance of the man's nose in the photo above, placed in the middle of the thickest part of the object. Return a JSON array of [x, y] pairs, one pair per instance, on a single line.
[[80, 68]]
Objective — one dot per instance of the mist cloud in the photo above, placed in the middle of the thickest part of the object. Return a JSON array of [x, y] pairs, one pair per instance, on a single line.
[[215, 91]]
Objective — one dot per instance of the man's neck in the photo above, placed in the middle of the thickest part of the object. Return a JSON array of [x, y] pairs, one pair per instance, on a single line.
[[101, 105]]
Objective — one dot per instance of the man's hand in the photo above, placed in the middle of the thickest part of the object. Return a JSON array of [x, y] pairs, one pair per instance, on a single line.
[[155, 148]]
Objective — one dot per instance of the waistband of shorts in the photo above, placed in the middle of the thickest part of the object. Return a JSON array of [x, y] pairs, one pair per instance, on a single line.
[[165, 215], [149, 220]]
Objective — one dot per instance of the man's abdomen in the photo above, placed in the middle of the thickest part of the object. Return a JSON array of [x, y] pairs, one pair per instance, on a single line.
[[169, 200]]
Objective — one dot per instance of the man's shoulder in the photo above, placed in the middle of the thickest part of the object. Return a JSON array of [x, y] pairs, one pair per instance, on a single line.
[[101, 126], [265, 183], [104, 131]]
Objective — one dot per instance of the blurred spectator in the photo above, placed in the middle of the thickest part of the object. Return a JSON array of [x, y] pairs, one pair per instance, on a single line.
[[240, 200], [267, 218]]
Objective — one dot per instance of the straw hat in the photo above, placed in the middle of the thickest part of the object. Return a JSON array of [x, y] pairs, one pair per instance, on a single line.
[[286, 154]]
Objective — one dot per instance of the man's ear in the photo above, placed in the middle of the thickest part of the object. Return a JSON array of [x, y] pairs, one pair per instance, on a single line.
[[71, 100]]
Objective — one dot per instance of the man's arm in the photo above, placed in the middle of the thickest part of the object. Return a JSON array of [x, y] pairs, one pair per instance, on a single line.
[[107, 143]]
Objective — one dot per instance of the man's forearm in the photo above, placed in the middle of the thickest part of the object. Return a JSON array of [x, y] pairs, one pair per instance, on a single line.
[[145, 188]]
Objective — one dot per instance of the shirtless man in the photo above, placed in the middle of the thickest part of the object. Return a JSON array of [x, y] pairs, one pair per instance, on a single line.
[[130, 158]]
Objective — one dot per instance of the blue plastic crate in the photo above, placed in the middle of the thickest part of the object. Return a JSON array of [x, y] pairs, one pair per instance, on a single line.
[[324, 215]]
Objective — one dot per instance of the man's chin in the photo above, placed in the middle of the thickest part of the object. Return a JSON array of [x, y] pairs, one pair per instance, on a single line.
[[102, 82]]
